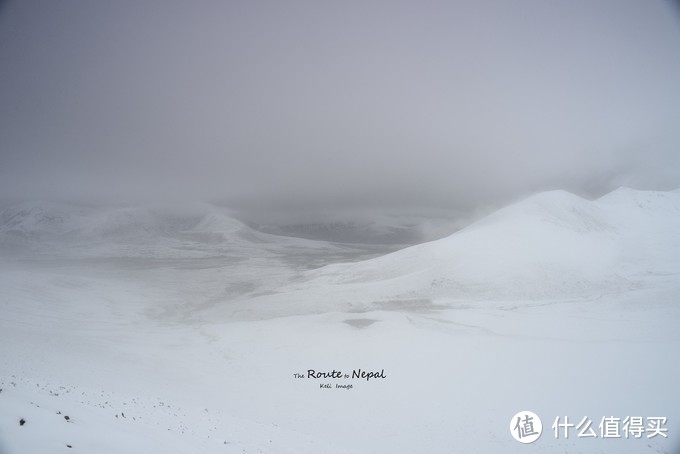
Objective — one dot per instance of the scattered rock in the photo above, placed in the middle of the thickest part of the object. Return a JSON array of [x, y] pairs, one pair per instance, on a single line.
[[69, 446], [67, 418], [22, 421]]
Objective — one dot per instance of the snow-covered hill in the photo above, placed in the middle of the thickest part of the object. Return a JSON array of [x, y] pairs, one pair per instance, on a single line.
[[550, 245], [48, 223], [180, 331]]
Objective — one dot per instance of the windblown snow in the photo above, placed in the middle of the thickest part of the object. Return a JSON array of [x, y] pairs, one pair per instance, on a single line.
[[179, 330]]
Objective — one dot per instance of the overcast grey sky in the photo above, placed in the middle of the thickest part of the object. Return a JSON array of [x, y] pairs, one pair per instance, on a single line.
[[428, 102]]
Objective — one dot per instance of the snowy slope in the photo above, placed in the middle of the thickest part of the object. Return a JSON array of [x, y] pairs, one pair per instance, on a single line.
[[176, 332], [551, 245], [183, 231], [47, 221]]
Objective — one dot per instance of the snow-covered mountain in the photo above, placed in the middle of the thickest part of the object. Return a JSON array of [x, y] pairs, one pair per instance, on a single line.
[[550, 245], [188, 230], [181, 330], [49, 220]]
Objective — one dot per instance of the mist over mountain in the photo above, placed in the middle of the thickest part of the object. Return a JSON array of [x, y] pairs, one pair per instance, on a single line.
[[212, 314], [314, 227], [550, 245]]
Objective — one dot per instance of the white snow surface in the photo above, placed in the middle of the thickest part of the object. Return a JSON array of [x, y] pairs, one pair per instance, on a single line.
[[551, 245], [175, 330]]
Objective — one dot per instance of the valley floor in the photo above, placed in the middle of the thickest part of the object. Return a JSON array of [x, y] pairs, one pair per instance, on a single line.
[[132, 353]]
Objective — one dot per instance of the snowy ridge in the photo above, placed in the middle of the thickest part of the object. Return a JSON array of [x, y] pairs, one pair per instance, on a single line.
[[551, 245], [63, 229], [31, 219], [46, 220], [180, 331]]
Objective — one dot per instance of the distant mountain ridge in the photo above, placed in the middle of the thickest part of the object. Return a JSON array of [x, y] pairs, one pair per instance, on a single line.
[[51, 227], [48, 218], [550, 245]]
